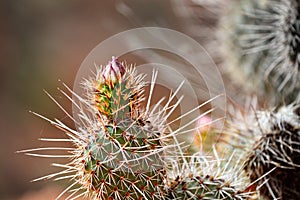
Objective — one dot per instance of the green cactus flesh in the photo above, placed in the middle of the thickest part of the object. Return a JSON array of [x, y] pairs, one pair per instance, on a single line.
[[123, 156], [115, 100], [206, 187], [123, 160]]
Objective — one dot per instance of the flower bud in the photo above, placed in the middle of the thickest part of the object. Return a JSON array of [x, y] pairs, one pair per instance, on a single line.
[[113, 71]]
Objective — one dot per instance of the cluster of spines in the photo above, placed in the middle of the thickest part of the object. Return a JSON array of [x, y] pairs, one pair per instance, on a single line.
[[208, 177], [202, 187], [115, 90], [278, 148], [269, 142], [110, 169], [268, 34], [264, 48], [276, 37], [237, 64]]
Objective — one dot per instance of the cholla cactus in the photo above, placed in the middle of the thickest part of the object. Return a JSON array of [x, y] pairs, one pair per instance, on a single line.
[[270, 143]]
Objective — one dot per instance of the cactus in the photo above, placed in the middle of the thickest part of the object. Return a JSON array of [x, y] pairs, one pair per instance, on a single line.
[[115, 92], [208, 177], [268, 34], [270, 143], [237, 64], [265, 42], [118, 148], [121, 151], [278, 34], [123, 156]]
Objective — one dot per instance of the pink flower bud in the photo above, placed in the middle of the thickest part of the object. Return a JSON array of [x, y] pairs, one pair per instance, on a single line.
[[203, 127], [113, 71], [203, 124]]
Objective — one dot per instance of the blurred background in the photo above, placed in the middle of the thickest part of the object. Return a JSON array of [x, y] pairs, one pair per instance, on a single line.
[[43, 41]]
